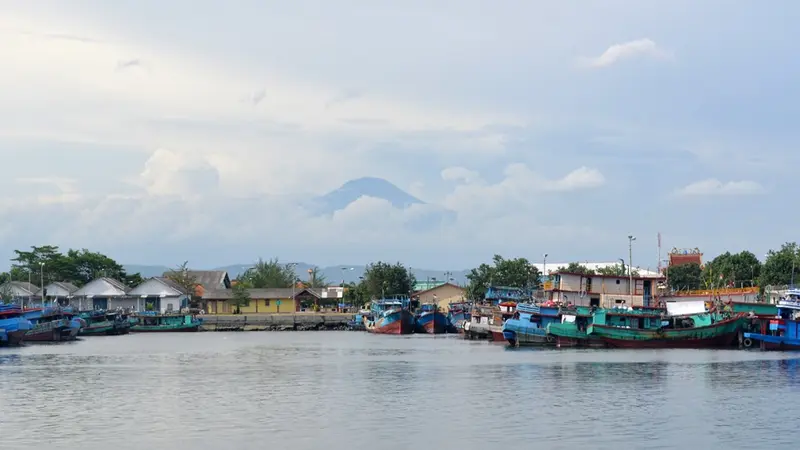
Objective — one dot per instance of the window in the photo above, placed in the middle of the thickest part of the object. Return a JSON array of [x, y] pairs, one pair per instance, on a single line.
[[617, 281], [266, 302], [169, 307]]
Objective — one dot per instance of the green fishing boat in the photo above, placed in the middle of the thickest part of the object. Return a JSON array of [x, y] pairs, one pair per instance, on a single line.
[[759, 309], [571, 331], [650, 329], [104, 323], [153, 322]]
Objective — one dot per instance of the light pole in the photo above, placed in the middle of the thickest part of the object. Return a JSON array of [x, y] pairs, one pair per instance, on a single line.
[[631, 238], [344, 269], [544, 266], [448, 276]]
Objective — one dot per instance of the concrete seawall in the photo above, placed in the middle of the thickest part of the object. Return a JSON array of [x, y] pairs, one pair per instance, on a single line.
[[276, 322]]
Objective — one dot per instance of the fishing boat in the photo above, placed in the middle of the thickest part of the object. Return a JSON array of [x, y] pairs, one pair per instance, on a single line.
[[647, 328], [390, 316], [108, 323], [503, 312], [571, 330], [529, 324], [782, 330], [458, 314], [13, 326], [481, 318], [154, 322], [53, 324], [357, 323], [430, 320]]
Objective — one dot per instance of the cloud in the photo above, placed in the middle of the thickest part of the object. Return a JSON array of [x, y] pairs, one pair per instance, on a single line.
[[713, 186], [460, 174], [628, 50]]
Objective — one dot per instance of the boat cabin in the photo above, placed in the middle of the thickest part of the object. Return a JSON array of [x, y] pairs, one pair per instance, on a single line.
[[538, 315], [787, 322], [496, 295], [643, 319]]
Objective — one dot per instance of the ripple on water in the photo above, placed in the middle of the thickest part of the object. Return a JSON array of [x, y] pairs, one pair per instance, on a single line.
[[359, 391]]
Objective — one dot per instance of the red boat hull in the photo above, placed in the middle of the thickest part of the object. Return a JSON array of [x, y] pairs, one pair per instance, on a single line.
[[565, 342], [723, 340], [497, 335], [15, 338], [56, 334], [433, 328], [396, 327]]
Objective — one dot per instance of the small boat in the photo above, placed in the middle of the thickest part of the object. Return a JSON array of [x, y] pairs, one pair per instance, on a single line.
[[390, 316], [481, 318], [53, 324], [571, 330], [357, 324], [100, 322], [430, 320], [528, 325], [649, 328], [504, 311], [154, 322], [782, 330], [458, 314], [13, 326]]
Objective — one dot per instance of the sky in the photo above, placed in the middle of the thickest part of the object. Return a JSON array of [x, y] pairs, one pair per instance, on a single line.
[[159, 132]]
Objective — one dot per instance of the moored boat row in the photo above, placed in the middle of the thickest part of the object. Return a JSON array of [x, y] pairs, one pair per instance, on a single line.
[[399, 315]]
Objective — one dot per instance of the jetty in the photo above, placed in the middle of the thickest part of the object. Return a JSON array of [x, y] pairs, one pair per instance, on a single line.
[[276, 322]]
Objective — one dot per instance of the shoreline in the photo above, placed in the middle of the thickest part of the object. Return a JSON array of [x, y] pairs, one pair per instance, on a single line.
[[276, 322]]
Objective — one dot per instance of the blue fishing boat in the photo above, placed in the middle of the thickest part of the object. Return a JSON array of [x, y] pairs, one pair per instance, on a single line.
[[53, 324], [13, 325], [357, 323], [781, 332], [430, 320], [529, 324], [458, 314], [390, 316]]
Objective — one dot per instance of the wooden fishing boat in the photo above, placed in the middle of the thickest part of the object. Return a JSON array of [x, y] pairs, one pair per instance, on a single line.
[[53, 324], [151, 322], [458, 314], [13, 326], [390, 316], [648, 329], [782, 330], [104, 323], [430, 320], [528, 326], [571, 330]]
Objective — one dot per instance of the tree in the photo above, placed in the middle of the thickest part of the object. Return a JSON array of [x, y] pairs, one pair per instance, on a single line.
[[619, 270], [518, 273], [382, 279], [30, 264], [315, 279], [183, 277], [781, 266], [241, 297], [733, 269], [575, 267], [83, 266], [356, 294], [685, 277], [269, 274]]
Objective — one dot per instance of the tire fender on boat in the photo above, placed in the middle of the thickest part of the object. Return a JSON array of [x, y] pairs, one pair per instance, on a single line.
[[747, 342], [550, 338]]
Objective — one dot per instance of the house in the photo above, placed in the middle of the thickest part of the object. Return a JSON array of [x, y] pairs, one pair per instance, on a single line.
[[442, 295], [158, 294], [737, 295], [60, 291], [18, 289], [103, 293], [427, 284], [270, 300], [207, 280], [602, 290]]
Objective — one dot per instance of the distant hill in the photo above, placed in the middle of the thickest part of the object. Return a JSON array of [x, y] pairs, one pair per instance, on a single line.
[[362, 187], [334, 274]]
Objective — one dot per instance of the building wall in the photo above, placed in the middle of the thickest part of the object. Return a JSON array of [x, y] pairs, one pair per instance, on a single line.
[[605, 300], [256, 306], [445, 295], [604, 285]]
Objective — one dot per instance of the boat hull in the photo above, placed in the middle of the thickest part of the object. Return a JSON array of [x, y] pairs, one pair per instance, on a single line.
[[521, 333], [14, 338], [165, 328], [721, 334], [769, 342], [53, 334], [475, 330], [496, 333], [395, 322], [568, 335], [432, 323]]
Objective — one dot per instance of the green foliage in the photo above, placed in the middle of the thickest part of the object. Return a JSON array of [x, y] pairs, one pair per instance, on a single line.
[[356, 294], [384, 279], [241, 297], [519, 273], [780, 265], [739, 269], [315, 279], [685, 277], [76, 266], [618, 270], [269, 274], [182, 276], [575, 267]]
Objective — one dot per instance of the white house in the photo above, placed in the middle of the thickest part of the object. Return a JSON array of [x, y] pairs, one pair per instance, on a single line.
[[604, 291], [18, 289], [60, 291], [102, 293], [157, 294]]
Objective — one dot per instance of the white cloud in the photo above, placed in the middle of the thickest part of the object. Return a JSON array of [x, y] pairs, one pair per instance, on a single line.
[[715, 187], [627, 50], [460, 174]]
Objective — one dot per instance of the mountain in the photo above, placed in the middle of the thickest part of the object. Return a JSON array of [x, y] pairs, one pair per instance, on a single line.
[[334, 274], [363, 187]]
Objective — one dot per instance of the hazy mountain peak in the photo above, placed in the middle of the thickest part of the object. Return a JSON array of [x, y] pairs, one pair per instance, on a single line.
[[364, 187]]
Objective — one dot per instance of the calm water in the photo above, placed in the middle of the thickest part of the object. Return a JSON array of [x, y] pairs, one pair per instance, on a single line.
[[341, 390]]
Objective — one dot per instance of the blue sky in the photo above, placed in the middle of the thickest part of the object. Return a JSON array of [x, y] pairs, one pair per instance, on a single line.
[[163, 131]]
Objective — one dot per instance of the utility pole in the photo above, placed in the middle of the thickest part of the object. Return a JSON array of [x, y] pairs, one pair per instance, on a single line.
[[631, 238]]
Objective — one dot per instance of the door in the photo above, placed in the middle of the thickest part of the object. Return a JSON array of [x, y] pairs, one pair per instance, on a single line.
[[646, 293], [99, 303]]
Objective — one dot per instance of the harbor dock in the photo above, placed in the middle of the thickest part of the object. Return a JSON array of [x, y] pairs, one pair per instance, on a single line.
[[276, 322]]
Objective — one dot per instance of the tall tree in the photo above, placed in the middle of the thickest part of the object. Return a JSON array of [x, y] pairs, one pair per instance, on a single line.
[[518, 273], [383, 279], [241, 297], [685, 277], [316, 279], [83, 266], [41, 262], [269, 274], [576, 267], [183, 277], [781, 266], [738, 269], [619, 270]]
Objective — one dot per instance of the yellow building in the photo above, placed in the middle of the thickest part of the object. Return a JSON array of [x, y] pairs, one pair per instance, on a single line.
[[442, 295], [262, 301]]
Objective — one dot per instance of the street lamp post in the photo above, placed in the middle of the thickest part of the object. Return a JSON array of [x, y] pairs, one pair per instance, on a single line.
[[544, 265], [631, 238]]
